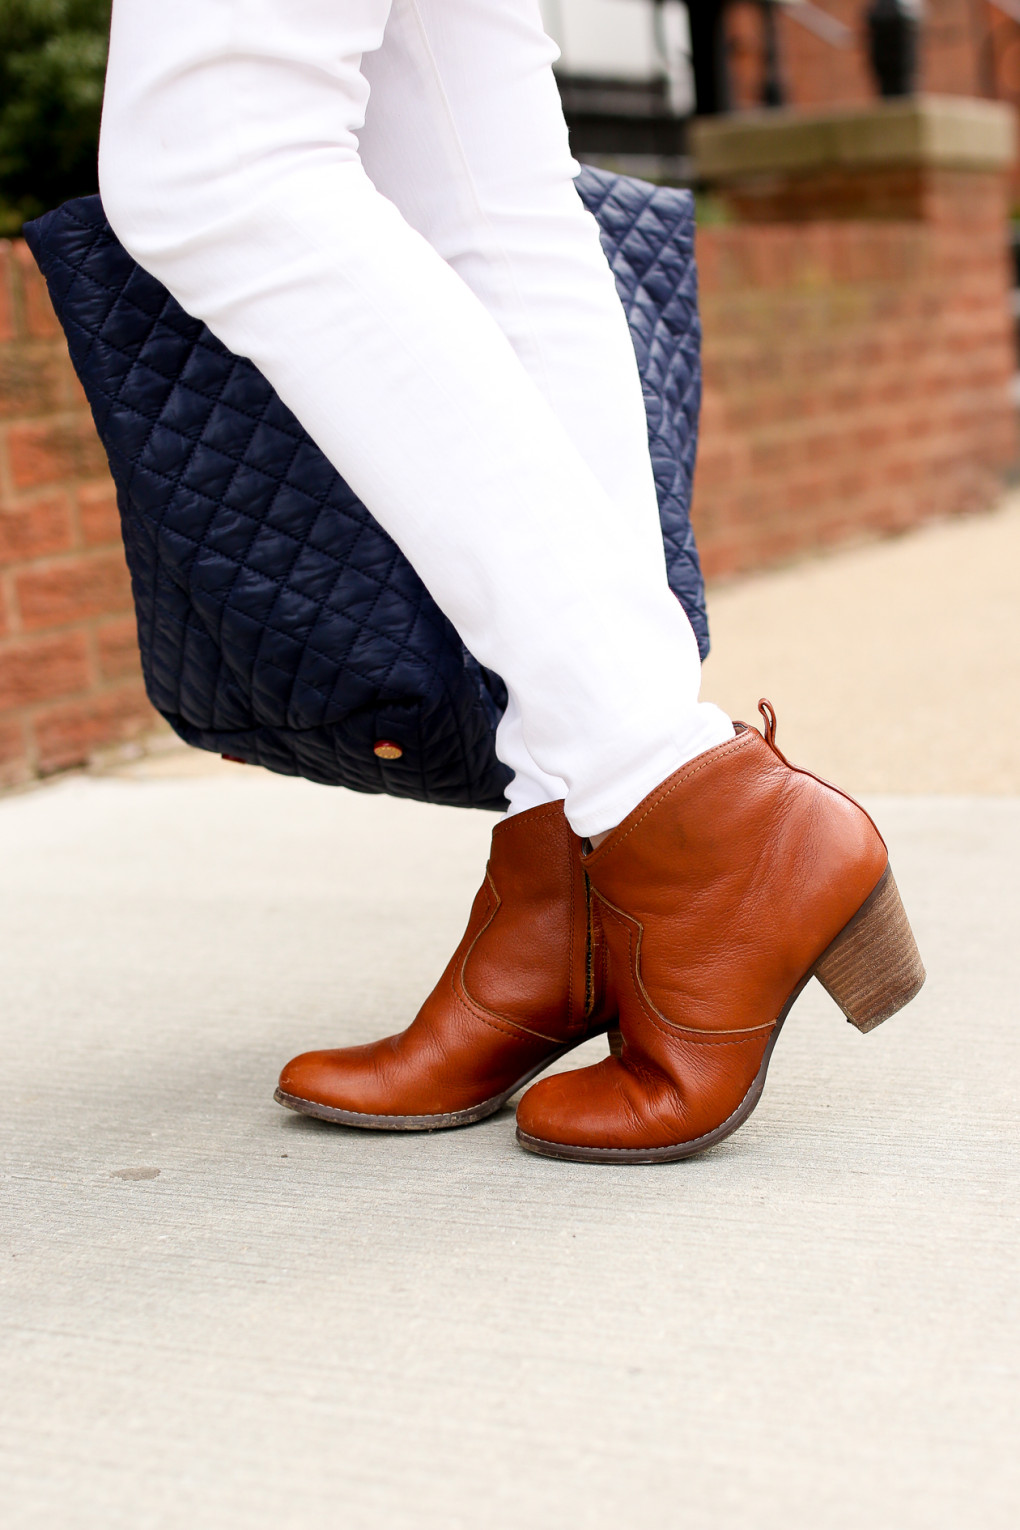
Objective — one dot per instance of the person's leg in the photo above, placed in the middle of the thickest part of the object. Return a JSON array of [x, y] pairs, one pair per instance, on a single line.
[[230, 169], [473, 151], [501, 208]]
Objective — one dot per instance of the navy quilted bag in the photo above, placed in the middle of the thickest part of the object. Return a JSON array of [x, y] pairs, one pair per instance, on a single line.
[[278, 623]]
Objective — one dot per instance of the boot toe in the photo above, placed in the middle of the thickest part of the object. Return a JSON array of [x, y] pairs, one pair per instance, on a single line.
[[402, 1081], [314, 1077], [605, 1106], [350, 1079], [621, 1109]]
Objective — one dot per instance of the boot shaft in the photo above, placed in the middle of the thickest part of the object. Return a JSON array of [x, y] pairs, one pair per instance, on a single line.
[[728, 881], [525, 954]]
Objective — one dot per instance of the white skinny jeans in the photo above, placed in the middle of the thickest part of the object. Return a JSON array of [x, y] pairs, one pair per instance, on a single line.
[[373, 200]]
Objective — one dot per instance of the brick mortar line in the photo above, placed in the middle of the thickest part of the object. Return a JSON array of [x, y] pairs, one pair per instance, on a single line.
[[61, 629], [91, 632], [47, 345], [29, 712], [70, 555], [91, 628], [24, 499], [7, 490], [68, 414], [10, 605], [16, 289]]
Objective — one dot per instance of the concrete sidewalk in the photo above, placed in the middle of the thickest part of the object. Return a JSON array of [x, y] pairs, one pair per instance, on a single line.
[[895, 666], [215, 1313]]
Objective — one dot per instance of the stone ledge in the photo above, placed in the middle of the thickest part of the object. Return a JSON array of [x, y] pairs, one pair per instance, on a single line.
[[937, 132]]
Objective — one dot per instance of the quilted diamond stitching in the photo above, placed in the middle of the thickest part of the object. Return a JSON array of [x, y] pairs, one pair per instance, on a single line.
[[232, 579]]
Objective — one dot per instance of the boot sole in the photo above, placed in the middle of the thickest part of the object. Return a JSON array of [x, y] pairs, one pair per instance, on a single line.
[[431, 1123], [872, 969]]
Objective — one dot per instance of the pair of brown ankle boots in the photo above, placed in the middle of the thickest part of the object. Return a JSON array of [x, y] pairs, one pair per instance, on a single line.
[[687, 935]]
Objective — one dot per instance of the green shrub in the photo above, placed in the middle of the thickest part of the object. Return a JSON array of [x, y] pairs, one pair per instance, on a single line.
[[52, 60]]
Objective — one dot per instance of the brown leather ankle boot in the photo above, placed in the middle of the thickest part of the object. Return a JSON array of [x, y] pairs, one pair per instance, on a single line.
[[723, 893], [520, 990]]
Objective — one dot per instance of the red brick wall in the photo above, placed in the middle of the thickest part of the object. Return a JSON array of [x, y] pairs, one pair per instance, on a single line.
[[69, 673], [856, 383], [960, 199], [857, 380], [968, 49]]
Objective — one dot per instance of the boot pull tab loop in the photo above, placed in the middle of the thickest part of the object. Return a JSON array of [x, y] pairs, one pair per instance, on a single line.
[[768, 712]]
